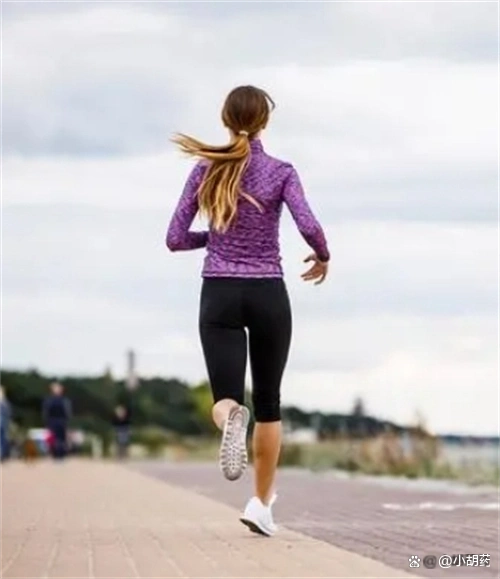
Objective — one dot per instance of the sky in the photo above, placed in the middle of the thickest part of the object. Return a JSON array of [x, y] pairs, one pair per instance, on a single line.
[[387, 110]]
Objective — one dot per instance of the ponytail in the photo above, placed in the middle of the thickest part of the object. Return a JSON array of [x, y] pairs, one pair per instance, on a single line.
[[220, 188]]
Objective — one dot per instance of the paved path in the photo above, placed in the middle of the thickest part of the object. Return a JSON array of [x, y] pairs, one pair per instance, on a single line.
[[366, 517], [91, 519]]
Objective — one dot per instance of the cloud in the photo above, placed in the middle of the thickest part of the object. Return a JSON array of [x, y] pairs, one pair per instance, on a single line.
[[407, 138], [344, 182], [374, 135], [106, 81], [431, 372], [310, 31], [432, 269]]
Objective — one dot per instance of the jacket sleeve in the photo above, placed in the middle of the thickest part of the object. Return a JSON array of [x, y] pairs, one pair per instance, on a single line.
[[307, 224], [178, 236]]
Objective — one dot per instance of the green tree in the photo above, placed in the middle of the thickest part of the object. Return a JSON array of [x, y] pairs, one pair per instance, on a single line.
[[203, 401]]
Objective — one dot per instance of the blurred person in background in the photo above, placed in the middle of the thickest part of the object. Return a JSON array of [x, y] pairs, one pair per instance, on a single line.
[[5, 416], [57, 413], [121, 425], [241, 190]]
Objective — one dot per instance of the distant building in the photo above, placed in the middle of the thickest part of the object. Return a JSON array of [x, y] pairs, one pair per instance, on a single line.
[[131, 380]]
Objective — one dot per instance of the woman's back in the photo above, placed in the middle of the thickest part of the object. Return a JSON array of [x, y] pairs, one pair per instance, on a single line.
[[250, 246]]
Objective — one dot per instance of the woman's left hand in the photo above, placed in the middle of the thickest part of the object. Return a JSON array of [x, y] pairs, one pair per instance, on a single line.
[[318, 271]]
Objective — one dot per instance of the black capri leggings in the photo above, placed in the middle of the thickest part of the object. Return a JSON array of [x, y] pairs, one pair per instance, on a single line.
[[229, 309]]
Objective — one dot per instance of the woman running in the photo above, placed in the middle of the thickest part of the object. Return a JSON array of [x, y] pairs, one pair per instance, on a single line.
[[244, 301]]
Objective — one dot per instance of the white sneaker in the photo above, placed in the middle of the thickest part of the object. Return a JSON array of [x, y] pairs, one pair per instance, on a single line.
[[233, 455], [258, 517]]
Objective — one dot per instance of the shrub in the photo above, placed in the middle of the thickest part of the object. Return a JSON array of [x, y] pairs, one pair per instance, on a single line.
[[153, 438], [291, 455]]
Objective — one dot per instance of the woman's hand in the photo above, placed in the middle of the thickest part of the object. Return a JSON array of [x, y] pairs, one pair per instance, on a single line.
[[318, 271]]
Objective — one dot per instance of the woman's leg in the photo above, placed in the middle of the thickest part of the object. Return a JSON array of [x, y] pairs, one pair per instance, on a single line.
[[224, 343], [225, 354], [266, 445], [270, 329]]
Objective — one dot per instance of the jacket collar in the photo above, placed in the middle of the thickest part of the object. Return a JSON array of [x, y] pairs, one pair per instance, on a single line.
[[256, 146]]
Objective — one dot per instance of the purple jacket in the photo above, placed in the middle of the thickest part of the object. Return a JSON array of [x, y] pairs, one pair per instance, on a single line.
[[250, 247]]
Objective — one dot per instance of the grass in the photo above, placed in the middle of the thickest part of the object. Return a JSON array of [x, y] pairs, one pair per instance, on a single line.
[[381, 455], [384, 455]]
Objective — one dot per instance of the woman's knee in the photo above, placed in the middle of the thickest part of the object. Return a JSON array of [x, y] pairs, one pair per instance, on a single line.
[[266, 410]]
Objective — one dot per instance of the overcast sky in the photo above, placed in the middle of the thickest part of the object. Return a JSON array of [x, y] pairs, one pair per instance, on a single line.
[[388, 111]]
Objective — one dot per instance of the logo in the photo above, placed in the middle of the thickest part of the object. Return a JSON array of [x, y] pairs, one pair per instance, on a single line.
[[430, 562]]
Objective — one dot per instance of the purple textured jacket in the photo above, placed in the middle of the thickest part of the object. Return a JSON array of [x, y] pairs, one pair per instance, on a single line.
[[250, 247]]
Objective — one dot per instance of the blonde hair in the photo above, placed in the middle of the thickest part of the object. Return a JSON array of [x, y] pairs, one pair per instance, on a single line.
[[245, 112]]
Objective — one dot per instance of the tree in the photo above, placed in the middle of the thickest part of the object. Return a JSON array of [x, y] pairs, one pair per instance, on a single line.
[[358, 410], [202, 398], [359, 417]]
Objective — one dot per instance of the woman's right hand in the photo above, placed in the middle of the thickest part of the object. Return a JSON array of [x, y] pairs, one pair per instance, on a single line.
[[318, 271]]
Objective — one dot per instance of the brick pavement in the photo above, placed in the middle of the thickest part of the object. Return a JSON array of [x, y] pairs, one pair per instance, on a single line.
[[350, 514], [91, 519]]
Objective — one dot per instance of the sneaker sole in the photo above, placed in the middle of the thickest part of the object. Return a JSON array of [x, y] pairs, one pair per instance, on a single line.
[[233, 455], [255, 528]]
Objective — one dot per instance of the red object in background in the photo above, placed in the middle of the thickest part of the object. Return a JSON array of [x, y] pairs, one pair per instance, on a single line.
[[50, 439]]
